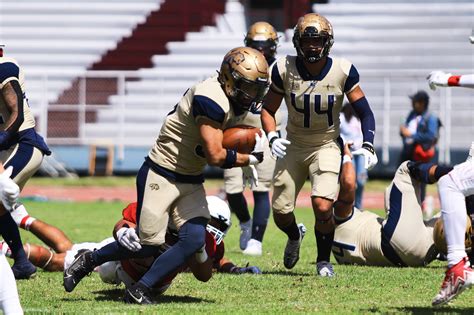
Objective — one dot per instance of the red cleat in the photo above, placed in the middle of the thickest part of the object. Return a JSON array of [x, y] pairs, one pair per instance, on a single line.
[[458, 278]]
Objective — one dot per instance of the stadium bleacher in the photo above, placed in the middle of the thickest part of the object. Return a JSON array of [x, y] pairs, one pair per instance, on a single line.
[[394, 45]]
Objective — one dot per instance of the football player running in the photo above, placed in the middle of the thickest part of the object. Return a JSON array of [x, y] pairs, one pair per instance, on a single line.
[[169, 183], [400, 239], [263, 37], [313, 85], [20, 147]]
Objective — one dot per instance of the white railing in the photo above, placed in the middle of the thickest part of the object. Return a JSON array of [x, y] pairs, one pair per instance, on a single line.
[[387, 92]]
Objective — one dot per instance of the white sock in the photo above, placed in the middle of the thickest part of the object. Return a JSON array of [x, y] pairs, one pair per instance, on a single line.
[[21, 217], [454, 217], [9, 301]]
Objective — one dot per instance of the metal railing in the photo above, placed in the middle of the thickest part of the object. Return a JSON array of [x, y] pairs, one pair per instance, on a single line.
[[385, 88]]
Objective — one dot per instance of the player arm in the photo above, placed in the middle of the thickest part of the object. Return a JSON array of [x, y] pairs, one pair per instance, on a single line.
[[440, 78], [345, 201], [13, 97], [272, 101], [216, 155]]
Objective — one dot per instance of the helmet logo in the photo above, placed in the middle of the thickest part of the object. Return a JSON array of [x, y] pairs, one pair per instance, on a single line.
[[236, 58]]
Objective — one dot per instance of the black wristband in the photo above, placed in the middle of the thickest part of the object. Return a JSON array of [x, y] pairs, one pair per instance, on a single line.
[[230, 159], [258, 155], [270, 142], [369, 147]]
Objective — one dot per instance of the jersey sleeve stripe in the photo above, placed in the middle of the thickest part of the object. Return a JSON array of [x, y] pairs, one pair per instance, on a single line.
[[8, 71], [352, 79], [204, 106], [277, 82]]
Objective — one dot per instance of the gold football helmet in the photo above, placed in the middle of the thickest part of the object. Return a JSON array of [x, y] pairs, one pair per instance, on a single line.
[[244, 78], [313, 37], [262, 37], [439, 237]]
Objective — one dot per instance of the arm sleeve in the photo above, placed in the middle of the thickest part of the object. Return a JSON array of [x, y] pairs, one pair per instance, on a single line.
[[352, 80], [367, 119], [466, 80]]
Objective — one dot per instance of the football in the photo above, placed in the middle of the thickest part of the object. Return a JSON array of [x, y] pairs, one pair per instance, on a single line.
[[240, 138]]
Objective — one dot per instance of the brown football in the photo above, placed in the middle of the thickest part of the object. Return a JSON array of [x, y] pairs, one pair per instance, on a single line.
[[240, 138]]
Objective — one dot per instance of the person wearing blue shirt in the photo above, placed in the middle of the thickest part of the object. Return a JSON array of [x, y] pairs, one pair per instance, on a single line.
[[420, 132]]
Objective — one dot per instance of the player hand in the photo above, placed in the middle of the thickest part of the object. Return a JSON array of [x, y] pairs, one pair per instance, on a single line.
[[128, 238], [9, 190], [250, 175], [249, 269], [369, 153], [257, 153], [278, 145], [438, 78]]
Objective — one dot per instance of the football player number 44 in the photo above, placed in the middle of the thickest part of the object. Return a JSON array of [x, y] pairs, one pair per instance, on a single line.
[[319, 107]]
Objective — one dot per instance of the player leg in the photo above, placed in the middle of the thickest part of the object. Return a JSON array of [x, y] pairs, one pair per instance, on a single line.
[[453, 188], [155, 195], [405, 239], [190, 215], [261, 211], [25, 160], [289, 177], [9, 301], [234, 187], [324, 173]]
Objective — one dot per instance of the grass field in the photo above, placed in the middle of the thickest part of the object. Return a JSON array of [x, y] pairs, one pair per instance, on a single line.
[[355, 289]]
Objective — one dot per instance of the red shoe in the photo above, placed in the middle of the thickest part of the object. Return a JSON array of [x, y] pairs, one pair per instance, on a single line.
[[458, 278]]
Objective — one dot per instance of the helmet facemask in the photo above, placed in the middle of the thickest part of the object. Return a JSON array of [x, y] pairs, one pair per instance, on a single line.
[[311, 45], [218, 229], [267, 47], [248, 95]]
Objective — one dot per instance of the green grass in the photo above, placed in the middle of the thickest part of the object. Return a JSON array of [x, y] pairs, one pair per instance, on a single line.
[[355, 289]]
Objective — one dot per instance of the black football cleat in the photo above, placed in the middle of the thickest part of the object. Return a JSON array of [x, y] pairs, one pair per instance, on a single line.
[[82, 266], [138, 294], [24, 270]]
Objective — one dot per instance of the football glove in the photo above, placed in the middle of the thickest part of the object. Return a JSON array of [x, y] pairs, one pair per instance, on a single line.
[[9, 190], [250, 175], [128, 238], [277, 145], [369, 154], [249, 269], [438, 78], [256, 156]]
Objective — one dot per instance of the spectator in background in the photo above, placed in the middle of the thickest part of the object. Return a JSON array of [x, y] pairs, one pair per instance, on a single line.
[[420, 133], [351, 131]]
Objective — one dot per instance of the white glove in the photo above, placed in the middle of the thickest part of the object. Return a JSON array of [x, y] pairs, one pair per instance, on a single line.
[[257, 153], [369, 153], [9, 190], [250, 175], [438, 78], [278, 145], [128, 238]]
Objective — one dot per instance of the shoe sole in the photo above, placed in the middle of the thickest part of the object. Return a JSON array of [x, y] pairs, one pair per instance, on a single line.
[[452, 298]]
